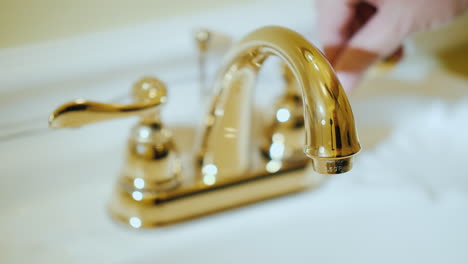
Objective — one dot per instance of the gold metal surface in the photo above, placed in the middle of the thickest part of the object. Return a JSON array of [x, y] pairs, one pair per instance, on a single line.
[[82, 112], [162, 184], [196, 198], [331, 137], [284, 133]]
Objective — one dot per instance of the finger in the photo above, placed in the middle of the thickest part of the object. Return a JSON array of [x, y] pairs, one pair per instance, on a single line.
[[382, 35], [363, 13], [335, 17]]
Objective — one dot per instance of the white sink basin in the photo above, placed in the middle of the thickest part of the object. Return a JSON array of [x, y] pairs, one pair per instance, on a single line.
[[405, 200]]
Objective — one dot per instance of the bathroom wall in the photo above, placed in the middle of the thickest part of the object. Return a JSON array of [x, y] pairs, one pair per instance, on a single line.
[[29, 21]]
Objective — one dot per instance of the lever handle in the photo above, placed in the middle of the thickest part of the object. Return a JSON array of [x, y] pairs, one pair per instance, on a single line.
[[148, 93]]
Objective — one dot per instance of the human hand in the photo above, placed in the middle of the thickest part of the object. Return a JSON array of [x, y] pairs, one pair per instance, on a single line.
[[355, 34]]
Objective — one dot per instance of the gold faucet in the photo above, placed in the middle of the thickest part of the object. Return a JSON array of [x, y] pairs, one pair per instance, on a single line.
[[229, 167], [331, 138]]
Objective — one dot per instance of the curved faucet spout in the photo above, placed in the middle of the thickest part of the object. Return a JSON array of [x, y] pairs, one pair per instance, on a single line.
[[331, 137]]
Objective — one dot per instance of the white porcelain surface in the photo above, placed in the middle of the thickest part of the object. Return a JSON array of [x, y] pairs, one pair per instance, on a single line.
[[400, 203]]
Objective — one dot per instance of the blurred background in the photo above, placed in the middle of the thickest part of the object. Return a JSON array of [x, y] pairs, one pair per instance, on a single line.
[[405, 201], [32, 21]]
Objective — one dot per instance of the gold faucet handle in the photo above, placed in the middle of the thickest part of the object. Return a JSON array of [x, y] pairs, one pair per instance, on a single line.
[[148, 93]]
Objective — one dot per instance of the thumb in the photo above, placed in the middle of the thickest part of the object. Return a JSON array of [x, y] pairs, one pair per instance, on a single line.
[[379, 37]]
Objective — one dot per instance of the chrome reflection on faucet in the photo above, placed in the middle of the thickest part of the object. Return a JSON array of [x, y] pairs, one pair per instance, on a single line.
[[231, 167]]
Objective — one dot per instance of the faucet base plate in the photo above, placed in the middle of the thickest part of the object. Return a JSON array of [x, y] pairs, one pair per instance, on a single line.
[[197, 198]]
